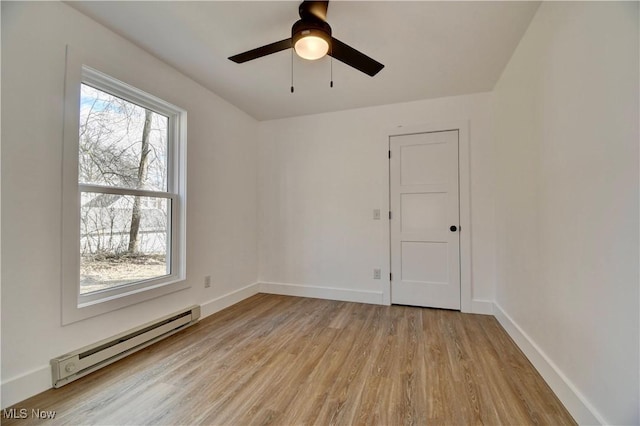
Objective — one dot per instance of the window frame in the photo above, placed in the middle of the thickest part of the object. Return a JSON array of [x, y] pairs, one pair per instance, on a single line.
[[76, 306]]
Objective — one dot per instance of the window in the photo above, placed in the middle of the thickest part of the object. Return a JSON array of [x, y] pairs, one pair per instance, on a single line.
[[124, 240], [125, 204]]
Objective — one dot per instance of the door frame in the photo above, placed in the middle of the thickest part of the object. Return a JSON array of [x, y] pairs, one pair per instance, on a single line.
[[464, 193]]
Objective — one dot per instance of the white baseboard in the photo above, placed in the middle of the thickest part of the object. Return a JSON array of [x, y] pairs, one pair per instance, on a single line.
[[331, 293], [39, 380], [484, 307], [25, 386], [226, 300], [577, 405]]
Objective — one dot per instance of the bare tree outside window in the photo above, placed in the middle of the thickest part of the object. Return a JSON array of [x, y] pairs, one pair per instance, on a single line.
[[124, 237]]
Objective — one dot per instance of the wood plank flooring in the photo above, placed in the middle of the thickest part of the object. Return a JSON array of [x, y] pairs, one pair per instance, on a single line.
[[292, 361]]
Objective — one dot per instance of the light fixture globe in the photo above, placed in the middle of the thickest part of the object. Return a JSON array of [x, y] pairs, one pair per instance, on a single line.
[[311, 47], [311, 40]]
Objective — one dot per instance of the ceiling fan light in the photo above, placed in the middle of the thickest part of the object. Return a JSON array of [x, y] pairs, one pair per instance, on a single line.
[[311, 47]]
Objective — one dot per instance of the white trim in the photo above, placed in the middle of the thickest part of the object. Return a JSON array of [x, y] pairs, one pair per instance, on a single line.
[[483, 307], [99, 189], [575, 402], [74, 307], [25, 386], [106, 83], [464, 166], [317, 292], [229, 299]]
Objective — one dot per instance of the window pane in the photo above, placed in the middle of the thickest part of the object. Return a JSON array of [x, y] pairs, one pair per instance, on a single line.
[[123, 239], [121, 143]]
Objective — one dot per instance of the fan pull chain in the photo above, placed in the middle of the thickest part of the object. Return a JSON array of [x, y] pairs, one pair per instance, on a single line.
[[292, 71], [331, 84]]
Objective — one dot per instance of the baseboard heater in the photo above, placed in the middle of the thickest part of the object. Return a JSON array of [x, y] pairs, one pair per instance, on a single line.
[[72, 366]]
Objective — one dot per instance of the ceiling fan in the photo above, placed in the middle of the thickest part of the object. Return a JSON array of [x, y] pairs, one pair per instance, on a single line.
[[311, 39]]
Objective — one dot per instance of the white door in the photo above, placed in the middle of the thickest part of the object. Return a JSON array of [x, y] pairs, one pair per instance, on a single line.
[[425, 216]]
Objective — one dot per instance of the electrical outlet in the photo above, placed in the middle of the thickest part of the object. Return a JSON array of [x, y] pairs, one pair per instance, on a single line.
[[376, 274], [207, 281], [376, 214]]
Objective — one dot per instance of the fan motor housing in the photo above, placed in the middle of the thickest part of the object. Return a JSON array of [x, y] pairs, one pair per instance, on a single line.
[[304, 28]]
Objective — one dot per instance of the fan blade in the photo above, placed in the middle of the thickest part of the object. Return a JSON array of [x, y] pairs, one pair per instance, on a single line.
[[353, 58], [313, 9], [261, 51]]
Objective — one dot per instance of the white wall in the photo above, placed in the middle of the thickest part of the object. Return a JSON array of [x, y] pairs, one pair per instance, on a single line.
[[221, 200], [322, 175], [566, 156]]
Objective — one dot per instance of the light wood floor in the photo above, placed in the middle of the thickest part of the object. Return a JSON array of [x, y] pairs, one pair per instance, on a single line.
[[288, 361]]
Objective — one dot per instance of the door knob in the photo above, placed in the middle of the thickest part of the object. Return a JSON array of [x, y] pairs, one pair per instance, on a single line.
[[453, 228]]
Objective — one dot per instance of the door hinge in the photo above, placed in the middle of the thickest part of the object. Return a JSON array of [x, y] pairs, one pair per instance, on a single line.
[[389, 153], [390, 276], [389, 215]]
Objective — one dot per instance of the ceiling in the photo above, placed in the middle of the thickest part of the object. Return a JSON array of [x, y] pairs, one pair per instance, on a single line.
[[430, 49]]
